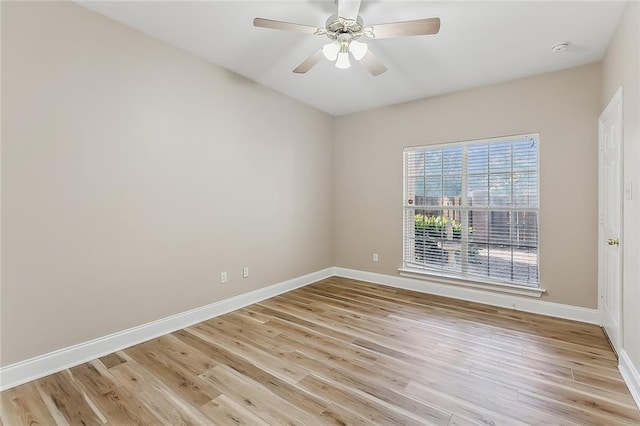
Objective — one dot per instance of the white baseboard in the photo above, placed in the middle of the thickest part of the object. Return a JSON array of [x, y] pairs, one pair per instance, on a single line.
[[43, 365], [52, 362], [631, 375], [515, 302]]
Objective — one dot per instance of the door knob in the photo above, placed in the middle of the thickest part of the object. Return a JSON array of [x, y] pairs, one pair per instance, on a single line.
[[613, 242]]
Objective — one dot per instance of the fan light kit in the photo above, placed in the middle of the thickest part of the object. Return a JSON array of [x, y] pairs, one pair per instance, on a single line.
[[344, 29], [339, 50]]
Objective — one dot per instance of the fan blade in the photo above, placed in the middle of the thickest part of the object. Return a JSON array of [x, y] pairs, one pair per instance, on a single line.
[[408, 28], [348, 9], [309, 63], [373, 64], [281, 25]]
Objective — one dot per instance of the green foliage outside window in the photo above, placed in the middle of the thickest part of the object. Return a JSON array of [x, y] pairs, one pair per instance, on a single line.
[[430, 229], [436, 226]]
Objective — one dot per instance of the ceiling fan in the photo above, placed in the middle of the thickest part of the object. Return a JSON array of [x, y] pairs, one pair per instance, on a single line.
[[344, 29]]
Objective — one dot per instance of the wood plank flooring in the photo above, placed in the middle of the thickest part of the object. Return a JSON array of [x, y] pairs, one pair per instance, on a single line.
[[345, 352]]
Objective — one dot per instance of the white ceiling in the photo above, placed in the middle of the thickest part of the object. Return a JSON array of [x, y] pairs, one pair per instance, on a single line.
[[479, 43]]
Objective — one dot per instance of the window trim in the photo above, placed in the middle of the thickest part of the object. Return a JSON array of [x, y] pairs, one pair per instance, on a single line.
[[475, 141], [433, 276], [407, 270]]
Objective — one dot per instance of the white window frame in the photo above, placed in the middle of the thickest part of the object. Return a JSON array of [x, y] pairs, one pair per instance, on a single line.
[[409, 270]]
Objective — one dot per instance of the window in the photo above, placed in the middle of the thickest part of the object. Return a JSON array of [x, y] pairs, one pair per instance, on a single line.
[[471, 210]]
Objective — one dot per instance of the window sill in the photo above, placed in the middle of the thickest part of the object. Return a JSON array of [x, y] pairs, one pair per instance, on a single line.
[[493, 286]]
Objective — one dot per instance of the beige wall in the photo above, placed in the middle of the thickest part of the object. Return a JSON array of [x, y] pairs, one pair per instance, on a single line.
[[134, 173], [562, 106], [621, 67]]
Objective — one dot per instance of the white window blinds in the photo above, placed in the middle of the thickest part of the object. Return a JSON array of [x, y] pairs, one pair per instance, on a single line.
[[471, 210]]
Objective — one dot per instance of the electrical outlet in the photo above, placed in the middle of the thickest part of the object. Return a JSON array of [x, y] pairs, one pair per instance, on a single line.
[[375, 257], [223, 277], [245, 272]]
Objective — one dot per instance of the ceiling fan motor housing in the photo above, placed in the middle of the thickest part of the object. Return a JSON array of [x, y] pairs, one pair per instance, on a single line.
[[347, 28]]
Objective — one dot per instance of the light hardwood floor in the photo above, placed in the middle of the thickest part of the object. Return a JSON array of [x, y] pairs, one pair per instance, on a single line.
[[345, 352]]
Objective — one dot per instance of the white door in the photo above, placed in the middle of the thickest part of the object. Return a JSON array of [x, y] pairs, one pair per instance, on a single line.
[[610, 230]]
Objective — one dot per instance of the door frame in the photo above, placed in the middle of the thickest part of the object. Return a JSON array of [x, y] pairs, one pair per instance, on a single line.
[[615, 100]]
